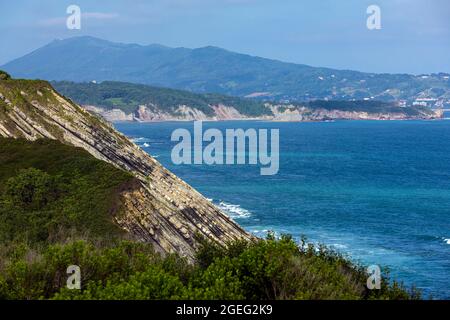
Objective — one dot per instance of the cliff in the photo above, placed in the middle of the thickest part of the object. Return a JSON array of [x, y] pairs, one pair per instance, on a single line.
[[322, 113], [121, 101], [161, 209], [279, 113], [146, 113]]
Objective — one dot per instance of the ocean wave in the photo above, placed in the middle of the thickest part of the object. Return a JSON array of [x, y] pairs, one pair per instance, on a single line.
[[140, 140], [263, 233], [447, 241], [257, 231], [339, 246], [234, 210]]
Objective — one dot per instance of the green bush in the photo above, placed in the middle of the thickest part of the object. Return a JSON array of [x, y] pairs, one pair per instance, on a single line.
[[266, 269], [4, 75], [31, 189]]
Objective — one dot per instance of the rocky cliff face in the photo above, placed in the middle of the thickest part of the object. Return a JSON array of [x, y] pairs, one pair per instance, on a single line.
[[150, 113], [162, 209], [279, 113], [294, 113]]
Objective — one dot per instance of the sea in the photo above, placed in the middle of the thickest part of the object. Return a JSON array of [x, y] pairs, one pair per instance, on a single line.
[[376, 191]]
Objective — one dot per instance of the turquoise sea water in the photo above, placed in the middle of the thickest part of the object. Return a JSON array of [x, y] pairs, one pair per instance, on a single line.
[[378, 191]]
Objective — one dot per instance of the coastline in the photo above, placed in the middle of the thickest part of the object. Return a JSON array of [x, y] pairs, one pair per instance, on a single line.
[[279, 114]]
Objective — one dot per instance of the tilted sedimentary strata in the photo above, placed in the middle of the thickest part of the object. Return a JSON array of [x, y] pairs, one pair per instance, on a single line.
[[160, 209]]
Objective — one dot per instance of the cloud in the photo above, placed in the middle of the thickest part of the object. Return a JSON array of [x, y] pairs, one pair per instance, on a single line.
[[84, 16]]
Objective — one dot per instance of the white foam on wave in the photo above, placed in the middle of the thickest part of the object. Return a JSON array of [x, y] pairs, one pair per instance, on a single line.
[[234, 210], [146, 145], [257, 231], [140, 140], [447, 241], [339, 246]]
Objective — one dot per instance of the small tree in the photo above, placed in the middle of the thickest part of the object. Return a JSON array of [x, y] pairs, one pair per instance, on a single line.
[[4, 75]]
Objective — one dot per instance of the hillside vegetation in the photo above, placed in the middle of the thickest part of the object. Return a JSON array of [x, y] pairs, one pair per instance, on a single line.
[[268, 269], [48, 189]]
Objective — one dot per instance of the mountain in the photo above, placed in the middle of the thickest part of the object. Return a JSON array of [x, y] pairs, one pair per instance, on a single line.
[[212, 69], [158, 207], [121, 101]]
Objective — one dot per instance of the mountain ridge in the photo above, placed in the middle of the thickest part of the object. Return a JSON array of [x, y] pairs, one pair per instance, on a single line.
[[216, 70]]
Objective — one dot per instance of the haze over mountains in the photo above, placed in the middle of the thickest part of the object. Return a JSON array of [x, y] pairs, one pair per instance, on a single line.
[[215, 70]]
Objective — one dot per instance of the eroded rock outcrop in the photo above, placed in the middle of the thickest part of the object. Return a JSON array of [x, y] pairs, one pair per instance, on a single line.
[[151, 113], [161, 209], [296, 113], [293, 113]]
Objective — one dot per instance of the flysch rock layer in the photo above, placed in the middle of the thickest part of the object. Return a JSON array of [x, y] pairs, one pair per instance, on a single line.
[[162, 209]]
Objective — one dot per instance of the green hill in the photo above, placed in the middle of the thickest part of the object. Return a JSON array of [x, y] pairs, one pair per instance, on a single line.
[[128, 96]]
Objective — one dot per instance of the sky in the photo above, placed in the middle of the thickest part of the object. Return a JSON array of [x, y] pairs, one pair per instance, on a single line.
[[414, 35]]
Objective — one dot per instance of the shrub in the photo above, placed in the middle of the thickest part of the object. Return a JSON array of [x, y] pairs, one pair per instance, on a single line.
[[4, 75], [266, 269]]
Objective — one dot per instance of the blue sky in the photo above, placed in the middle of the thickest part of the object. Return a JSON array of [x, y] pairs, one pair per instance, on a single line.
[[415, 34]]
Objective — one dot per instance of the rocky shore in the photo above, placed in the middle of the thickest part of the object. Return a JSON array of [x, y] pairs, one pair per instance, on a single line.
[[292, 113]]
